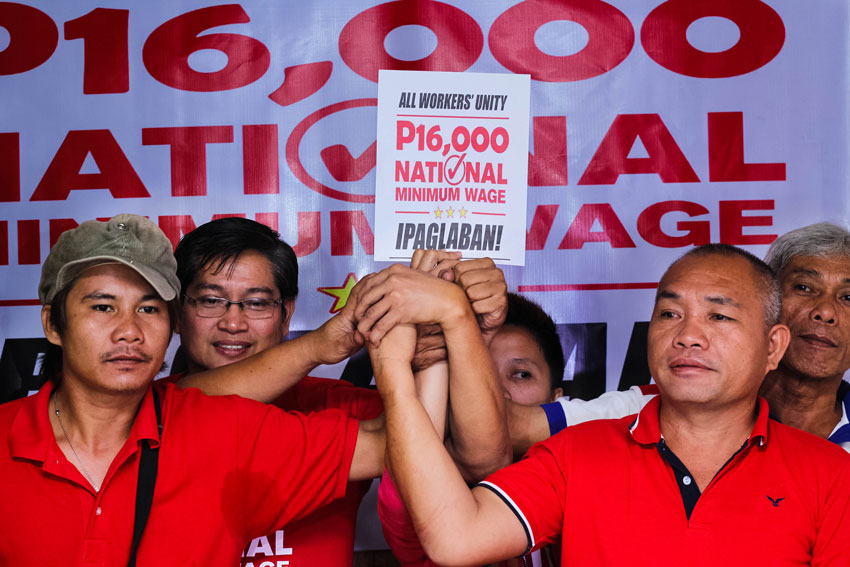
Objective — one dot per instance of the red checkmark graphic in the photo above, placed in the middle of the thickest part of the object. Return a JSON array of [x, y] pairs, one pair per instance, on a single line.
[[454, 165], [345, 167]]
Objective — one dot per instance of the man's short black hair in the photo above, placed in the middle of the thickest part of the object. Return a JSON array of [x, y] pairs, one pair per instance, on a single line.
[[217, 244], [527, 315], [767, 283]]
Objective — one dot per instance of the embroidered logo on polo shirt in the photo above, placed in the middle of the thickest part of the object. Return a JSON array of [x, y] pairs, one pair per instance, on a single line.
[[775, 502]]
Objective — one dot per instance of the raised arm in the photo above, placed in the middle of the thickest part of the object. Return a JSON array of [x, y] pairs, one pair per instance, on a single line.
[[479, 441], [431, 387], [432, 390], [456, 526], [401, 295]]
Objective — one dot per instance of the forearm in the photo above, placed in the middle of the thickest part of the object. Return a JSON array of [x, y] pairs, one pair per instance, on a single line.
[[368, 459], [425, 475], [479, 440], [528, 425], [456, 526], [264, 376], [432, 389]]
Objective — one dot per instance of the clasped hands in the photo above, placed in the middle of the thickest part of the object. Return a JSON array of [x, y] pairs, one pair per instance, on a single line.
[[402, 312]]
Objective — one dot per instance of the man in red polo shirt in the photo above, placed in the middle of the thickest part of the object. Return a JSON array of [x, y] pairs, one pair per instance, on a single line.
[[700, 476], [83, 453], [807, 390], [239, 282]]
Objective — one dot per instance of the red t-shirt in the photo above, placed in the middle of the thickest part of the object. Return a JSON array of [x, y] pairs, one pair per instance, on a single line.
[[784, 499], [325, 538], [229, 470]]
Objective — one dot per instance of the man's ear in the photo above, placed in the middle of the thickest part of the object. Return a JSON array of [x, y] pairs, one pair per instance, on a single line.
[[557, 393], [778, 338], [49, 331], [288, 309]]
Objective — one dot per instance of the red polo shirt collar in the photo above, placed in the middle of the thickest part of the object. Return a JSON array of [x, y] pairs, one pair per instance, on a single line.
[[31, 435], [646, 428]]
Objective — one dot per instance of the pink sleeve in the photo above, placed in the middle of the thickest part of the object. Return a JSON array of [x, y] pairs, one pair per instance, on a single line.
[[397, 526]]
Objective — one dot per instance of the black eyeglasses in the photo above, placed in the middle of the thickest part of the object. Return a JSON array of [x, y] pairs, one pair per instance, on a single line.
[[253, 307]]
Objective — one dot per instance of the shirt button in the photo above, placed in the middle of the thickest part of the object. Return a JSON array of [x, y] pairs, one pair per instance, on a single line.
[[686, 481], [98, 511]]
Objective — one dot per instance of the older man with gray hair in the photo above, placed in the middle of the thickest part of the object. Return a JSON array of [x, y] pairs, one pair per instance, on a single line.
[[807, 389]]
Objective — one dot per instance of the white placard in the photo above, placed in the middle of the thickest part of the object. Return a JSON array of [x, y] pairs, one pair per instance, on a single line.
[[452, 164]]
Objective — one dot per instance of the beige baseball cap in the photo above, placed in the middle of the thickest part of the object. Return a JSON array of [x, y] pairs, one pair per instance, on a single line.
[[132, 240]]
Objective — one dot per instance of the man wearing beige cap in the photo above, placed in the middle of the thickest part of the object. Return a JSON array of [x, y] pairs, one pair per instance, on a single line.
[[104, 467]]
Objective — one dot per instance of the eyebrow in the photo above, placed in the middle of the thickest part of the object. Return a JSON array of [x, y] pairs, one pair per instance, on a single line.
[[102, 296], [717, 299], [814, 273], [721, 300], [219, 289], [98, 296], [211, 287], [808, 272], [665, 294]]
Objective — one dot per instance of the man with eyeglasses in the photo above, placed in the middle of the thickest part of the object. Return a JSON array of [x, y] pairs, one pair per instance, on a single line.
[[239, 285]]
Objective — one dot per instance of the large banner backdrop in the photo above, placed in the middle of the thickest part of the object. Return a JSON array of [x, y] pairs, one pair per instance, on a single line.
[[655, 126]]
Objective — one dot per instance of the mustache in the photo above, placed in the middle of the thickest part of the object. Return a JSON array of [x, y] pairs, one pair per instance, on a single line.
[[126, 352]]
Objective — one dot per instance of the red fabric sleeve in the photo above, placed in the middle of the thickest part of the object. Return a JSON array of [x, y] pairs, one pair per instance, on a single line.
[[315, 394], [299, 462], [535, 489]]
